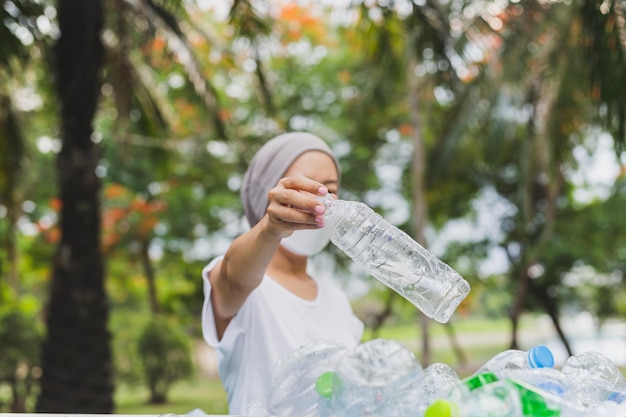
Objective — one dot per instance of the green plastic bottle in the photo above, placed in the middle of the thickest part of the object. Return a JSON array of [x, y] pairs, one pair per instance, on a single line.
[[534, 404]]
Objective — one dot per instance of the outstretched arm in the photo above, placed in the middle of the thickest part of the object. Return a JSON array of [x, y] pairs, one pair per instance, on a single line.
[[292, 206]]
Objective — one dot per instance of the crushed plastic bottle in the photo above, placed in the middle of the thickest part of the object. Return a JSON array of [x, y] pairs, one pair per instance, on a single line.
[[548, 381], [256, 409], [295, 377], [595, 378], [394, 258], [491, 399], [485, 395], [458, 392], [365, 382], [539, 356], [383, 378], [438, 379]]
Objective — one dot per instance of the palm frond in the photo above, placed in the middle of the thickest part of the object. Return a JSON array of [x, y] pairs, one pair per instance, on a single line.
[[247, 21], [177, 43], [12, 16], [604, 41]]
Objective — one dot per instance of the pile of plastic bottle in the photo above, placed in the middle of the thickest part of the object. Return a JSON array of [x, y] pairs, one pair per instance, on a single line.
[[383, 378]]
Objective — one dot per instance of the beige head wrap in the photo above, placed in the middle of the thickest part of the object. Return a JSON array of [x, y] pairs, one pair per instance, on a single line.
[[270, 164]]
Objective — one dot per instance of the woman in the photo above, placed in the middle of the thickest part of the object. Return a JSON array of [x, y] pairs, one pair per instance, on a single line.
[[260, 300]]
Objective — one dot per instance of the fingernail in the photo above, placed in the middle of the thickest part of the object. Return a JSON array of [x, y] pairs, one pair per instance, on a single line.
[[319, 209], [322, 191], [320, 221]]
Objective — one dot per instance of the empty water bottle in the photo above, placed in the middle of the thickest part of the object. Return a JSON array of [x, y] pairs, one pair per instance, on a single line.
[[438, 379], [595, 378], [364, 383], [486, 396], [460, 391], [549, 381], [537, 403], [256, 409], [394, 258], [294, 377], [539, 356], [493, 399]]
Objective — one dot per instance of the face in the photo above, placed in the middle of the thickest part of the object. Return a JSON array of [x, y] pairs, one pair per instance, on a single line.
[[318, 166]]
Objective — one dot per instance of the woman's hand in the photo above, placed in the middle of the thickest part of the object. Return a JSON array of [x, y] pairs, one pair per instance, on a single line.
[[293, 205]]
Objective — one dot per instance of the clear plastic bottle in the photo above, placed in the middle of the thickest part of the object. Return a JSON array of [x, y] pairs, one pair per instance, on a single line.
[[539, 356], [394, 258], [595, 378], [370, 381], [460, 391], [438, 379], [486, 396], [494, 399], [294, 377], [548, 381]]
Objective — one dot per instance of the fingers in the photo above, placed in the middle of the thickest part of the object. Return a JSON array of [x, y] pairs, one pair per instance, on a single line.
[[293, 202], [302, 183]]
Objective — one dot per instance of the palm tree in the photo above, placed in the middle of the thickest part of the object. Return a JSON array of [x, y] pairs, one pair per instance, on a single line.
[[76, 359], [77, 366]]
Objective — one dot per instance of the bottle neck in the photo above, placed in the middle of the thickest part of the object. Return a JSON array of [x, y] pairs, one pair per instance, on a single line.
[[332, 206]]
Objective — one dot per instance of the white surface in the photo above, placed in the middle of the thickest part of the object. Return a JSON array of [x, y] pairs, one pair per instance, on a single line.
[[92, 415]]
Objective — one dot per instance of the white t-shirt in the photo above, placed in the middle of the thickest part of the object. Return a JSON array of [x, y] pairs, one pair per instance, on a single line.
[[271, 323]]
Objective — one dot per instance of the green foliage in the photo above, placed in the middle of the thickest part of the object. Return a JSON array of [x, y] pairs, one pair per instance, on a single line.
[[126, 326], [20, 340], [349, 83], [164, 352]]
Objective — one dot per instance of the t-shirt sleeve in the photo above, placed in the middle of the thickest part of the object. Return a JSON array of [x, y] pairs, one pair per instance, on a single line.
[[209, 331]]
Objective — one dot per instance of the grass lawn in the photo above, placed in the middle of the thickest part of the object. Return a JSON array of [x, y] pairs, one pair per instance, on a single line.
[[203, 393]]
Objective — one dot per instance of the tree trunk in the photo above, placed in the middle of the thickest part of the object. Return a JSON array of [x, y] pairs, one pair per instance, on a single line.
[[11, 152], [456, 346], [379, 319], [76, 355], [527, 204], [551, 309], [518, 304], [419, 195], [150, 277], [18, 399]]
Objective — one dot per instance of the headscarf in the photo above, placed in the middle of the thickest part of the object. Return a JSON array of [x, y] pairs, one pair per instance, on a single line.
[[269, 165]]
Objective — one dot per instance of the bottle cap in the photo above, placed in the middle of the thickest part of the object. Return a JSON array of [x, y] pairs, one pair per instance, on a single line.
[[479, 380], [327, 383], [617, 397], [442, 408], [540, 357]]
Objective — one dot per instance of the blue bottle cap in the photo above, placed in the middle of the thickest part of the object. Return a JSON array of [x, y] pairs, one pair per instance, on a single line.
[[540, 357], [617, 397]]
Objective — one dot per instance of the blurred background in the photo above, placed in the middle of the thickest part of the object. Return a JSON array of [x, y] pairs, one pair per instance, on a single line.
[[493, 132]]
